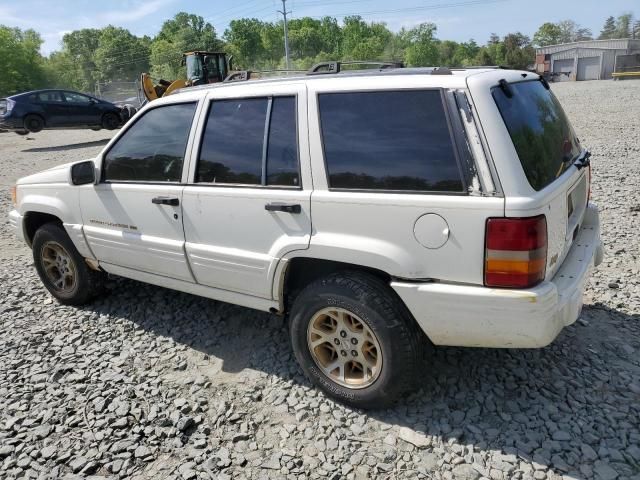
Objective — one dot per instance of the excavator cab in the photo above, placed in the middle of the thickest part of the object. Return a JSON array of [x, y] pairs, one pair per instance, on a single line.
[[206, 67], [202, 68]]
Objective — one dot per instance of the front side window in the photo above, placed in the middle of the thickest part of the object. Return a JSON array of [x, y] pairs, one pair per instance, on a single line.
[[76, 98], [233, 147], [540, 131], [153, 148], [389, 140]]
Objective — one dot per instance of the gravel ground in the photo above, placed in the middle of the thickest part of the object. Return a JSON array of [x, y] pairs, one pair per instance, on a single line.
[[150, 383]]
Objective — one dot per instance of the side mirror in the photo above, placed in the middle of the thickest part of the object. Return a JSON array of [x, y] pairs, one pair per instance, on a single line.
[[83, 173]]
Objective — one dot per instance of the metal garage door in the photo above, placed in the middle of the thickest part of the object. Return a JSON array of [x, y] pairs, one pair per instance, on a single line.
[[589, 68], [563, 69]]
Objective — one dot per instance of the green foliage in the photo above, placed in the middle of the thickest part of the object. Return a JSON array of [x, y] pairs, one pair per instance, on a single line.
[[547, 34], [21, 66], [423, 48], [624, 25], [609, 29]]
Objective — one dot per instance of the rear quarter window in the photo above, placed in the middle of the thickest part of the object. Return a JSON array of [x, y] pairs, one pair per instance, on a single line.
[[388, 140], [541, 133]]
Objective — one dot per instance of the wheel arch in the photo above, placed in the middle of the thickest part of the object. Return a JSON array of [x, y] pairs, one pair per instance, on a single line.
[[297, 272], [34, 220], [40, 115]]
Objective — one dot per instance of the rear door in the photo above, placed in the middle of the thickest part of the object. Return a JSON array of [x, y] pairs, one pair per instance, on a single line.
[[247, 203], [53, 106], [535, 149], [394, 184]]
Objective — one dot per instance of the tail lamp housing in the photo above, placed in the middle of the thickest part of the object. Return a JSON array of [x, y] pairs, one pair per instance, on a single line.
[[515, 252]]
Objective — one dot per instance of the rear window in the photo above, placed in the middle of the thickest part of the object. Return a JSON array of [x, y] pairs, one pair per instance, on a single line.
[[390, 140], [540, 131]]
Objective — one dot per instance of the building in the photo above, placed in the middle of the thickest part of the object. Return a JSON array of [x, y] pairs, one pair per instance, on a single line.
[[588, 60]]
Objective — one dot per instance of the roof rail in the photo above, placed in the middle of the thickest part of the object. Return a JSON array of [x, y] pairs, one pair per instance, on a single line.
[[331, 67], [479, 67], [244, 75]]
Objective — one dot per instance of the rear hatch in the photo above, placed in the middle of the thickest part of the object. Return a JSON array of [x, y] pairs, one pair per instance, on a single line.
[[553, 161]]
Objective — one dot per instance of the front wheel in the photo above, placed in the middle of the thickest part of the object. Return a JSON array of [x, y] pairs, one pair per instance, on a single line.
[[110, 121], [62, 269], [355, 340]]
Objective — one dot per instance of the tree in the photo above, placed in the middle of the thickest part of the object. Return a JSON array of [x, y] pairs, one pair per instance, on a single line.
[[623, 26], [548, 34], [570, 31], [362, 40], [80, 46], [518, 52], [245, 41], [21, 64], [636, 30], [422, 49], [609, 30], [120, 55]]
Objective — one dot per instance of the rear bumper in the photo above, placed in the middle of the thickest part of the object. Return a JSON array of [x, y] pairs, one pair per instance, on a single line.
[[473, 316], [11, 123]]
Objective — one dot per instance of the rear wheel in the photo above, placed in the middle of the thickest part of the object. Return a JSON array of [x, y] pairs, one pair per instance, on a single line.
[[62, 269], [110, 121], [355, 340], [33, 123]]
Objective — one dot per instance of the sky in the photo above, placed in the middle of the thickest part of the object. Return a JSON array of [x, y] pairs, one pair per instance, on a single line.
[[458, 20]]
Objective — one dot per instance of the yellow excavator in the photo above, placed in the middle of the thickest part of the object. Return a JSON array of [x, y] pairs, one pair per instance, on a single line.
[[202, 68]]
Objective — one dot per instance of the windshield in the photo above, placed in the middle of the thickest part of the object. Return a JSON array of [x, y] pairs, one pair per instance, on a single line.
[[194, 68], [539, 129]]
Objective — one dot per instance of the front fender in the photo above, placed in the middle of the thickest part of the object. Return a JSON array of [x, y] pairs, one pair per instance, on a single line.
[[57, 200]]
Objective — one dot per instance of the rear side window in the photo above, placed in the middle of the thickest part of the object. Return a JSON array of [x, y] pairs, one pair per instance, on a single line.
[[250, 141], [390, 140], [50, 97], [541, 133], [153, 148], [232, 145]]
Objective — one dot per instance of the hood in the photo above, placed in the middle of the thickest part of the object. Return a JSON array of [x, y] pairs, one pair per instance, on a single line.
[[57, 174]]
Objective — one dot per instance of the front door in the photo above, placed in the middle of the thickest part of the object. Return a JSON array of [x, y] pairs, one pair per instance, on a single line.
[[81, 110], [248, 203], [133, 217]]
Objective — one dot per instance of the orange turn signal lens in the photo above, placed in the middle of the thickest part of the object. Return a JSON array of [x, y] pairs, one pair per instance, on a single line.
[[14, 195]]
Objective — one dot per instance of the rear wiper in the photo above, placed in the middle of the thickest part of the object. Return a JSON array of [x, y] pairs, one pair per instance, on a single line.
[[584, 160]]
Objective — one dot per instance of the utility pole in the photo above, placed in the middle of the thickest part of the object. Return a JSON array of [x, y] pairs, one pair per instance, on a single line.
[[286, 34]]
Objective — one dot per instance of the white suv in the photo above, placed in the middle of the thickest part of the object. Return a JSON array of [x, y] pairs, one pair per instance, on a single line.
[[382, 211]]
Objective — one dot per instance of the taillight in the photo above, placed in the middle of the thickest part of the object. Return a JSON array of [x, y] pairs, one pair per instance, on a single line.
[[515, 252]]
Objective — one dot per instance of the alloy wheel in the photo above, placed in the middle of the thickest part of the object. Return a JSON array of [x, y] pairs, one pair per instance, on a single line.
[[344, 347]]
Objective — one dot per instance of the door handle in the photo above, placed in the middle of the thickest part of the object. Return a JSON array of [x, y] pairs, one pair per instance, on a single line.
[[173, 201], [283, 207]]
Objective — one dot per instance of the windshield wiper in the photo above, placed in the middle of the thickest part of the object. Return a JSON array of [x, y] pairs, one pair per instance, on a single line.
[[584, 160]]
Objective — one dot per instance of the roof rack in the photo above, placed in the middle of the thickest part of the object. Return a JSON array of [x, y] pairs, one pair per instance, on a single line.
[[325, 68], [244, 75], [480, 67]]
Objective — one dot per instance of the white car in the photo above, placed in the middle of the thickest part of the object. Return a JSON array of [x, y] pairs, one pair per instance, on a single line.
[[383, 211]]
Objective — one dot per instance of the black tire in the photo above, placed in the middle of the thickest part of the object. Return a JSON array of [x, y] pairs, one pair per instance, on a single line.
[[22, 132], [88, 283], [33, 123], [396, 332], [110, 121]]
